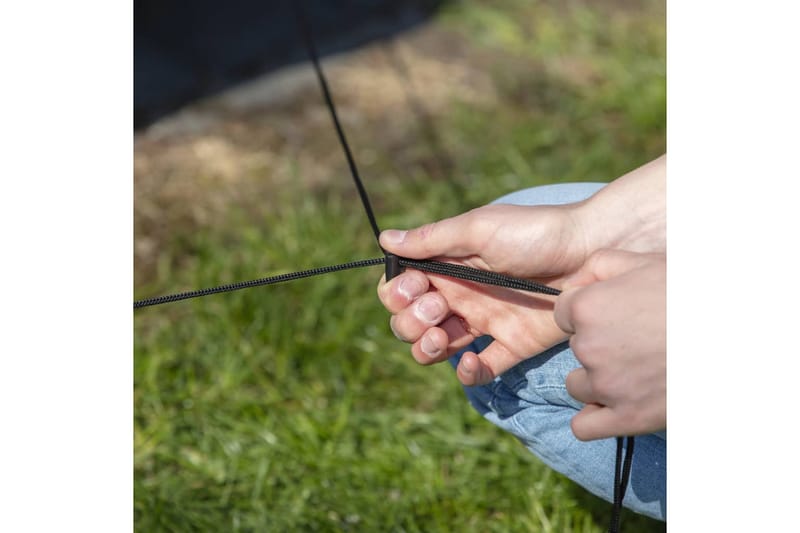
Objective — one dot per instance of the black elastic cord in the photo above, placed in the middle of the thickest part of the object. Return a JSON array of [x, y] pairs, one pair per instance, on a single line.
[[257, 282], [435, 267], [477, 275], [622, 474], [305, 29]]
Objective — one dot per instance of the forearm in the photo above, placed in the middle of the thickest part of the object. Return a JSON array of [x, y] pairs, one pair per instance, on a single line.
[[629, 213]]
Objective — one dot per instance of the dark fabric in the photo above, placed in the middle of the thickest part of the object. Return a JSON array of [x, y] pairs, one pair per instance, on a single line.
[[186, 50]]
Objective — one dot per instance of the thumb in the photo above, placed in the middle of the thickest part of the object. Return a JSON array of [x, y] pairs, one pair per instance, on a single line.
[[458, 236]]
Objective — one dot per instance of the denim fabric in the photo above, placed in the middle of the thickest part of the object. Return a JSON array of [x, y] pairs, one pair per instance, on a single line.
[[531, 402]]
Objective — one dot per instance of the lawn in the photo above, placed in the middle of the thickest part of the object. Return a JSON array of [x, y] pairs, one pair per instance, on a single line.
[[293, 407]]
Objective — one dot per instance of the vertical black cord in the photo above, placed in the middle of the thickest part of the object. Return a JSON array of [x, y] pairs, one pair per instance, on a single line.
[[617, 504], [305, 29], [622, 474], [626, 468], [393, 267]]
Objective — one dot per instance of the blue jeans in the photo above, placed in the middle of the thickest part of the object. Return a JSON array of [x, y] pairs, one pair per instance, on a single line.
[[531, 402]]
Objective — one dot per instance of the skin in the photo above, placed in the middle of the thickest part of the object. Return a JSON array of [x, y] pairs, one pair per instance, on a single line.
[[552, 244], [615, 310]]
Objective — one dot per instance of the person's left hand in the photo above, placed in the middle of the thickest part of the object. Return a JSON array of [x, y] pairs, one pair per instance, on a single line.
[[615, 309], [439, 315]]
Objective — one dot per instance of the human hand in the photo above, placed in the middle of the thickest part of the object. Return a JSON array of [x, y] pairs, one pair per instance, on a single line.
[[545, 243], [441, 315], [614, 308]]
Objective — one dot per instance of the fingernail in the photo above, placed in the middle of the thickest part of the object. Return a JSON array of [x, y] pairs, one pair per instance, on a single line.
[[394, 236], [429, 348], [409, 288], [429, 310]]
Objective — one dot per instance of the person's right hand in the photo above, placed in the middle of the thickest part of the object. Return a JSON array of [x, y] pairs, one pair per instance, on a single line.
[[441, 315], [614, 308]]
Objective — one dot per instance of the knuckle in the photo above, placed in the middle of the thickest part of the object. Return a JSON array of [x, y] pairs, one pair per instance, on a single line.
[[425, 236], [642, 419], [581, 308], [480, 223], [587, 308], [583, 348], [637, 420], [603, 384], [426, 231], [598, 260], [600, 256]]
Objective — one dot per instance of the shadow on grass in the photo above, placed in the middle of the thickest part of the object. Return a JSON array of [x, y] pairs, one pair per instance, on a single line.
[[601, 512]]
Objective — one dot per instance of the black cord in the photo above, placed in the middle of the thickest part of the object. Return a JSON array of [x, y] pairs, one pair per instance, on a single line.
[[256, 282], [622, 474], [435, 267], [305, 29], [477, 275]]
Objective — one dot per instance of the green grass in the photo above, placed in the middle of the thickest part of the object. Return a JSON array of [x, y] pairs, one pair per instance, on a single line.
[[292, 407]]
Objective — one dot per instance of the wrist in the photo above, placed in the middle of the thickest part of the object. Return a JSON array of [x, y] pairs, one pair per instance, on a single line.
[[628, 214]]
